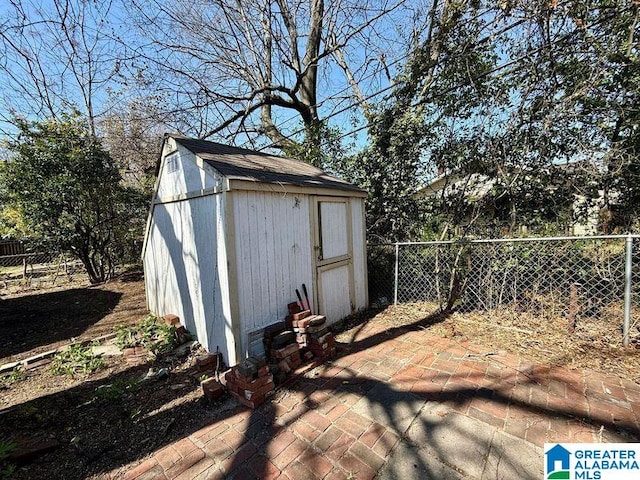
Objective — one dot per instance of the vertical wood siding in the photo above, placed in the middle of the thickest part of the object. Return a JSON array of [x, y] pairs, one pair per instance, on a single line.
[[186, 269], [187, 178], [359, 255], [334, 292], [273, 255]]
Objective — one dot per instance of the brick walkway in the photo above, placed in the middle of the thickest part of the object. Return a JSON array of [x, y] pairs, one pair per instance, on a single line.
[[393, 390]]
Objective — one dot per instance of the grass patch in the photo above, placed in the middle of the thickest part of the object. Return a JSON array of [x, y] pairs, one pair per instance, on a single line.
[[76, 360], [16, 375], [155, 336]]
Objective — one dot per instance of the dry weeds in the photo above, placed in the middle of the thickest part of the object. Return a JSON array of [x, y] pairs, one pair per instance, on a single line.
[[539, 338]]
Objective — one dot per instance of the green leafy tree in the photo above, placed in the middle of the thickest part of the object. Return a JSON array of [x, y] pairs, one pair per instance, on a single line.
[[69, 192], [390, 170], [521, 108], [404, 130]]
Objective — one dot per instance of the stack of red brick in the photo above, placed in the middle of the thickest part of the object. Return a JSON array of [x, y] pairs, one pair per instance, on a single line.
[[250, 382], [211, 364], [323, 345], [312, 333], [140, 354], [287, 357]]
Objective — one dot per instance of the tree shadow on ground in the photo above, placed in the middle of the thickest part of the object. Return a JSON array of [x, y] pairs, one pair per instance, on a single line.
[[100, 436], [108, 422], [32, 321], [358, 322]]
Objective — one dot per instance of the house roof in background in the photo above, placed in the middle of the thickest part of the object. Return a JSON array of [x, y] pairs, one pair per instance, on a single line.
[[241, 164]]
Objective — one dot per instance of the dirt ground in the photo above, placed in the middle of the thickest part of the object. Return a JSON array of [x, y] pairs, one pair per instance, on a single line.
[[106, 420], [99, 422], [46, 319]]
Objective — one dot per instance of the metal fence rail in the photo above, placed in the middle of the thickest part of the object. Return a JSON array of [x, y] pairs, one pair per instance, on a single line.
[[575, 279], [25, 260], [35, 269]]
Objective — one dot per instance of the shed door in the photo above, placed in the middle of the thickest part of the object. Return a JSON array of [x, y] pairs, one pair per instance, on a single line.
[[333, 251]]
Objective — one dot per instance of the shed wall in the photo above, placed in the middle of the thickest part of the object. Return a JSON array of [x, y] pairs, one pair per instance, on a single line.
[[186, 269], [359, 253], [181, 174], [273, 255]]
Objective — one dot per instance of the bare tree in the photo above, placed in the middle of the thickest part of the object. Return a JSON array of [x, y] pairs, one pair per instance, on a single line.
[[245, 67], [58, 56], [133, 136]]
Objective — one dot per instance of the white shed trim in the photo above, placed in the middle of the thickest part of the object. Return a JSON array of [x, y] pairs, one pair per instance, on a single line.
[[187, 196], [234, 299], [285, 189]]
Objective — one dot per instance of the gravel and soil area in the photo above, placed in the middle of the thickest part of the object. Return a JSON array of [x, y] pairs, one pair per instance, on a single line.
[[98, 422], [41, 320], [106, 420]]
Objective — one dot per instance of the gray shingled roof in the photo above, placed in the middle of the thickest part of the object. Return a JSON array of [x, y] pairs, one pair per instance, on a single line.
[[242, 164]]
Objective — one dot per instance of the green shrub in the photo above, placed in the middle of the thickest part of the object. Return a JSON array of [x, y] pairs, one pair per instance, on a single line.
[[150, 333], [16, 375], [76, 360]]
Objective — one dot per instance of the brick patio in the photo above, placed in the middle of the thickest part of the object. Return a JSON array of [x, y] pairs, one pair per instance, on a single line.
[[346, 419]]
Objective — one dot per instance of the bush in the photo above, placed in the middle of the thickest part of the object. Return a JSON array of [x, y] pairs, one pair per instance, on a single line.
[[76, 360], [16, 375], [150, 333]]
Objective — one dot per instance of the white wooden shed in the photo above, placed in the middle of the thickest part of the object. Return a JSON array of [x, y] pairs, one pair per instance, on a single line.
[[233, 232]]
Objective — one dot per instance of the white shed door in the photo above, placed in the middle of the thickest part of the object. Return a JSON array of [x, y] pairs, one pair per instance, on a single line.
[[334, 266], [335, 293], [333, 230]]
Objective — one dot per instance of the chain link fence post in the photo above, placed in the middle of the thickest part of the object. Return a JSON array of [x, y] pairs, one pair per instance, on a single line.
[[395, 278], [627, 290]]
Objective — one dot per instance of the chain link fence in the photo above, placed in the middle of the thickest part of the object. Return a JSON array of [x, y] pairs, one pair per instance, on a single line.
[[32, 270], [574, 280], [381, 260]]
